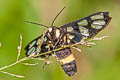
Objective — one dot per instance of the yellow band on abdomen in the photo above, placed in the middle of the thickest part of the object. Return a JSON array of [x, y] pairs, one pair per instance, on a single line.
[[68, 59]]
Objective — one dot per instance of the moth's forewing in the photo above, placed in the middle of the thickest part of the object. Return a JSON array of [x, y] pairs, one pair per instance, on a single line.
[[76, 31], [38, 46], [67, 61], [89, 26], [33, 47]]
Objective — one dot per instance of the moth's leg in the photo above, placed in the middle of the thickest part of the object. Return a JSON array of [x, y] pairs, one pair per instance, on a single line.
[[99, 38], [47, 61]]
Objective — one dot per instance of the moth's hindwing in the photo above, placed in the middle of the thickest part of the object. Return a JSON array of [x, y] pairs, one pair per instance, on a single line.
[[90, 25], [67, 61]]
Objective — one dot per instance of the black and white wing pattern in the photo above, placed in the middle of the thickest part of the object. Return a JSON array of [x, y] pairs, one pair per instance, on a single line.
[[33, 47], [88, 26], [38, 46]]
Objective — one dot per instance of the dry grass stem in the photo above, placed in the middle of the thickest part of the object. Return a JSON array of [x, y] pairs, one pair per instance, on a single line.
[[32, 56], [29, 64], [99, 38], [19, 47], [12, 74], [0, 44]]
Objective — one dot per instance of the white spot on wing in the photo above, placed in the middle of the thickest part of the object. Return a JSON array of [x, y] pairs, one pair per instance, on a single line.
[[98, 16], [69, 29], [38, 41], [32, 44], [96, 26], [84, 31], [99, 22], [83, 23]]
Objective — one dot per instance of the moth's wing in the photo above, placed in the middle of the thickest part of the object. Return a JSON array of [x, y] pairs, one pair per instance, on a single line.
[[88, 26], [67, 61], [38, 46], [34, 47]]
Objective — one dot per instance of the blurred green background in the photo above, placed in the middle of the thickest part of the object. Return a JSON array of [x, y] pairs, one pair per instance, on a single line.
[[101, 62]]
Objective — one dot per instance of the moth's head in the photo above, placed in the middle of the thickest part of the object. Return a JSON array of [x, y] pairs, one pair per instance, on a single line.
[[54, 32], [52, 29]]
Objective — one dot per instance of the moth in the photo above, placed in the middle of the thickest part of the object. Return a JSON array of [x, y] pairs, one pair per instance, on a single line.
[[69, 34]]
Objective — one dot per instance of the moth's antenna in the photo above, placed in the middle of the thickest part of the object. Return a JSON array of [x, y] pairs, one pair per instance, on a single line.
[[36, 23], [57, 16]]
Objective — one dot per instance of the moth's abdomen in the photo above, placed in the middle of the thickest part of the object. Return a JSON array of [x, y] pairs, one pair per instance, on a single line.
[[67, 61], [70, 68]]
